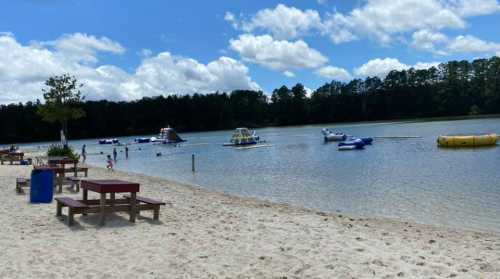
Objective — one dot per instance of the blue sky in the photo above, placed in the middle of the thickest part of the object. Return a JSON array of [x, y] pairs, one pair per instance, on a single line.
[[124, 50]]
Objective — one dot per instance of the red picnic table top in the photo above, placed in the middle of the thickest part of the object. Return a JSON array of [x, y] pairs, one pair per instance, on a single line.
[[54, 169], [109, 186], [62, 161]]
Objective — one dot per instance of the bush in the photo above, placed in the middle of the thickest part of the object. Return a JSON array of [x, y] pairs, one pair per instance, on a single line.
[[62, 151]]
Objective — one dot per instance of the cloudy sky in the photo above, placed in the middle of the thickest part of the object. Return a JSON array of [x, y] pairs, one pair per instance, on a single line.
[[124, 50]]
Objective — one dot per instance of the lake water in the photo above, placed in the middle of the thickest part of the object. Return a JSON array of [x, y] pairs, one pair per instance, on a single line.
[[408, 179]]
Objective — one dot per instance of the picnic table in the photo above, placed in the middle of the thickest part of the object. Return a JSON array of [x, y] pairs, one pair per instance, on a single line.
[[111, 187], [63, 161], [12, 157]]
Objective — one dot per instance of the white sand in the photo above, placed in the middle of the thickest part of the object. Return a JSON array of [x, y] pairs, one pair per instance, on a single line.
[[210, 235]]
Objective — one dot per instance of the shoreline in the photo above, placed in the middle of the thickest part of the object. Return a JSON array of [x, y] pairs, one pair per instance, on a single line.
[[366, 122], [288, 206], [209, 234]]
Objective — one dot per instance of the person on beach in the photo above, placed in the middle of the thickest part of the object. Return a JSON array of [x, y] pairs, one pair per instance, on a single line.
[[126, 151], [114, 154], [109, 166], [84, 153]]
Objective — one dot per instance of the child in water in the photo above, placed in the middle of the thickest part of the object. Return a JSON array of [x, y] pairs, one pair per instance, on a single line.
[[110, 163]]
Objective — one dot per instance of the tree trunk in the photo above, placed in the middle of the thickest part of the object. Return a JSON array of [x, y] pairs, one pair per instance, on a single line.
[[65, 131]]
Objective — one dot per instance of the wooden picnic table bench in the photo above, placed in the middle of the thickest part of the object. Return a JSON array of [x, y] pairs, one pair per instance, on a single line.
[[20, 183], [74, 182], [111, 187], [148, 204], [130, 203], [74, 207], [12, 157]]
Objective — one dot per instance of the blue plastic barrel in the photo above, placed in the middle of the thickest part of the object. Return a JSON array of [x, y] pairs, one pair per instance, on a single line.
[[42, 186]]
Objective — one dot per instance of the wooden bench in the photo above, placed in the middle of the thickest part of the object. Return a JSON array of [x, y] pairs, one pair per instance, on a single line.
[[20, 183], [74, 172], [148, 204], [74, 183], [74, 207], [12, 157], [85, 170]]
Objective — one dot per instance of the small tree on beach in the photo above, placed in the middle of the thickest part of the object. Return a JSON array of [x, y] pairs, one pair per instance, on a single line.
[[62, 97]]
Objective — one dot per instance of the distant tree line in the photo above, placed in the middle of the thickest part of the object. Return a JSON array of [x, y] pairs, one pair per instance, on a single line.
[[451, 89]]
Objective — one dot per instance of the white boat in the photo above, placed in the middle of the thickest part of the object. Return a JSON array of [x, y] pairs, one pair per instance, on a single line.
[[244, 136], [332, 136], [167, 136]]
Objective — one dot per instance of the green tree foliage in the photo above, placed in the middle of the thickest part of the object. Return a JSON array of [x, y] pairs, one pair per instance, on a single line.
[[62, 151], [62, 98], [450, 89]]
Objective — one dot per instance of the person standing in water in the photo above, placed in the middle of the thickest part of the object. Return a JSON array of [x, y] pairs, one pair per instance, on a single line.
[[84, 153], [114, 154], [126, 151], [109, 162]]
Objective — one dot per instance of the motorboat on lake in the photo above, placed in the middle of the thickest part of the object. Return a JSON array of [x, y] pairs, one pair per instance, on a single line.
[[333, 136]]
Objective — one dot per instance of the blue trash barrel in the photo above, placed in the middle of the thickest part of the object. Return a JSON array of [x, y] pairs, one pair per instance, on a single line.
[[42, 186]]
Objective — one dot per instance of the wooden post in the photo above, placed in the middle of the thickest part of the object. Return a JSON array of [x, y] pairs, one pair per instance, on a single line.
[[192, 163], [133, 206]]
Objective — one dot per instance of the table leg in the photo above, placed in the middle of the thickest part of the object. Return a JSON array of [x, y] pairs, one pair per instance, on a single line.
[[133, 206], [112, 199], [85, 197], [102, 209], [60, 183]]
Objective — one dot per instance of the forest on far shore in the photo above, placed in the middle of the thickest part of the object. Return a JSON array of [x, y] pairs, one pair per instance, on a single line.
[[454, 88]]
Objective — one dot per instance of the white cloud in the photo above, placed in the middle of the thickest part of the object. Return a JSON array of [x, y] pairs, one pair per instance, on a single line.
[[471, 44], [380, 19], [282, 22], [24, 68], [289, 74], [166, 74], [468, 8], [309, 91], [275, 54], [145, 52], [439, 43], [83, 47], [381, 67], [428, 40], [228, 16], [335, 73], [231, 18]]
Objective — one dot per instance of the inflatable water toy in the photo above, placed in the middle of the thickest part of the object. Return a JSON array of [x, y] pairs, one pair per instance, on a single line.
[[108, 141], [358, 143], [243, 136], [467, 140], [142, 140], [350, 147]]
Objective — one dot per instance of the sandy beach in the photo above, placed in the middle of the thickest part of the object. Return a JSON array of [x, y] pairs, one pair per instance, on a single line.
[[211, 235]]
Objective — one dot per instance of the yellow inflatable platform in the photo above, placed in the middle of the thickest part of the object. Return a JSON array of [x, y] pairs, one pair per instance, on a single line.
[[467, 141]]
